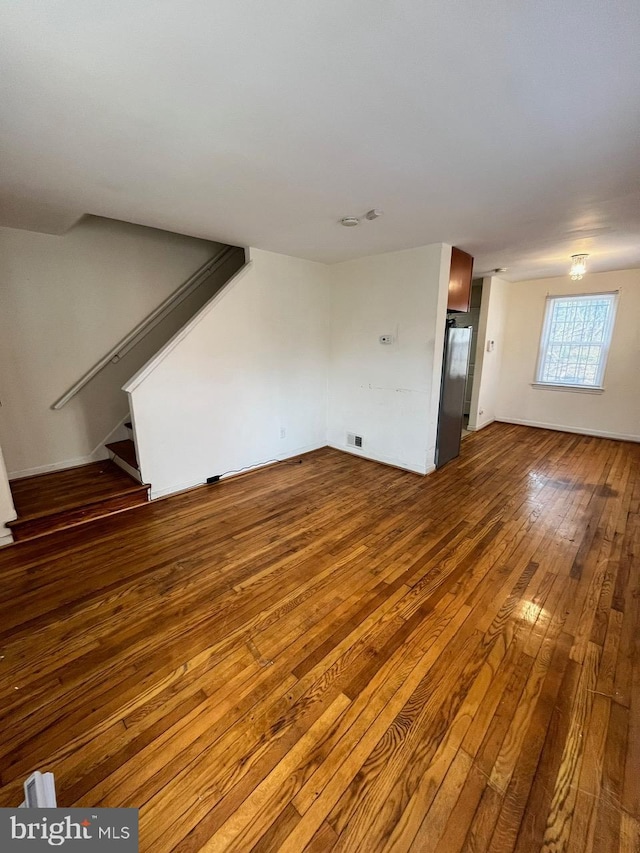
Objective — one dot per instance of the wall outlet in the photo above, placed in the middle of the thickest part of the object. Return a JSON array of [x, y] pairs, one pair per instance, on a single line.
[[283, 432]]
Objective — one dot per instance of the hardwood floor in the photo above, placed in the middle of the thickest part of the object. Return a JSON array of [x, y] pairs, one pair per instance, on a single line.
[[336, 655]]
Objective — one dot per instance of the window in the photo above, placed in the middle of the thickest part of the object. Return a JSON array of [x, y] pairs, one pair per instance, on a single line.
[[575, 340]]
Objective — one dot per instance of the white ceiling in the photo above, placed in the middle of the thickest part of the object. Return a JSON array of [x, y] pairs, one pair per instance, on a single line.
[[510, 128]]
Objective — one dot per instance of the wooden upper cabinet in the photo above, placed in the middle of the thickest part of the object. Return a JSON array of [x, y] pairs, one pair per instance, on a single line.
[[460, 281]]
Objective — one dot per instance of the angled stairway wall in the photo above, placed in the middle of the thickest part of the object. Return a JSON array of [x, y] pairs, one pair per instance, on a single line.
[[245, 382]]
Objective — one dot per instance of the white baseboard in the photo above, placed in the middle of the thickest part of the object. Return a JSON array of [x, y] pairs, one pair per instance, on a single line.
[[578, 430], [480, 425], [58, 466], [97, 455], [6, 539], [386, 460], [155, 494]]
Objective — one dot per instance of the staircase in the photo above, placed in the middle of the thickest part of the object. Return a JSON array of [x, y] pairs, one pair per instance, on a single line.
[[64, 499], [46, 503], [124, 454]]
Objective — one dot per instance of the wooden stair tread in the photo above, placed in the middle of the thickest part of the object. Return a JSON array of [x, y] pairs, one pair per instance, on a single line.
[[133, 489], [126, 450], [61, 491], [55, 501], [31, 528]]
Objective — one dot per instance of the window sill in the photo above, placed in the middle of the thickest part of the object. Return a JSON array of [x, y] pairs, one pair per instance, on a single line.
[[580, 389]]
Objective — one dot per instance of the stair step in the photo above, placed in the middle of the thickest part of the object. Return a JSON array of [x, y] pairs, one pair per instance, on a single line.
[[125, 450], [30, 528], [61, 499]]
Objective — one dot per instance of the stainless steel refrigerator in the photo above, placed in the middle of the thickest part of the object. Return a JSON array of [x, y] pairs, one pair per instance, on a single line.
[[455, 364]]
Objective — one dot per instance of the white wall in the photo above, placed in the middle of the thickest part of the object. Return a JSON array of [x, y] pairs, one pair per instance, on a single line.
[[488, 365], [7, 510], [64, 302], [388, 394], [615, 412], [251, 363]]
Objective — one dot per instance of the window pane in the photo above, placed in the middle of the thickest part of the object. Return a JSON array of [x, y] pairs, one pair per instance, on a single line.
[[575, 339]]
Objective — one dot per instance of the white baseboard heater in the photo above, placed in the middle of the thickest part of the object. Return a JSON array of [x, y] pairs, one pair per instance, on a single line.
[[39, 791]]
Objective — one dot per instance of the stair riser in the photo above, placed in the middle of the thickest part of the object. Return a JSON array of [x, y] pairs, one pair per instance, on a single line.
[[132, 472], [70, 518]]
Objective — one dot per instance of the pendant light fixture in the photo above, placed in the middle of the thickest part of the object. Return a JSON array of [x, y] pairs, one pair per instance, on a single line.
[[578, 266]]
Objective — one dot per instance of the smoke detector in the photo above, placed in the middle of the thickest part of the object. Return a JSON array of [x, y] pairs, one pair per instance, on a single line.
[[499, 270], [350, 221]]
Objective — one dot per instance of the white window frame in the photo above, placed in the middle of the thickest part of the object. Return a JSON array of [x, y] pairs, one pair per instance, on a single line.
[[598, 386]]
